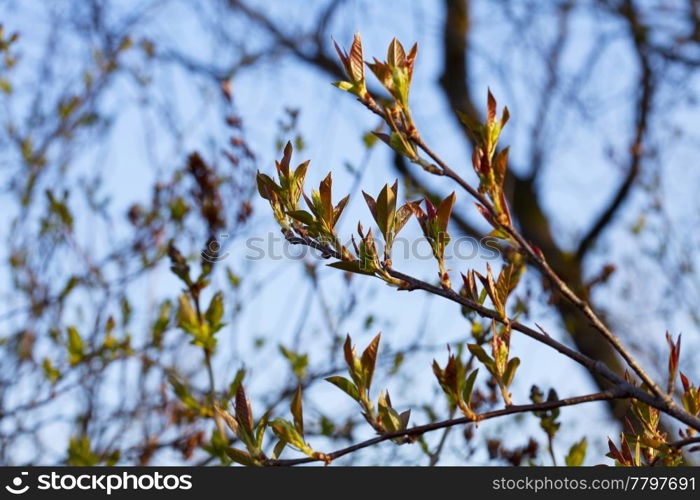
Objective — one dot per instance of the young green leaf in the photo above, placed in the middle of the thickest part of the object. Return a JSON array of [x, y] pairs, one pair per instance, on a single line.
[[349, 353], [286, 432], [351, 266], [76, 347], [469, 387], [51, 373], [278, 449], [390, 418], [369, 360], [345, 385], [236, 382], [302, 216], [481, 355], [326, 197], [231, 422], [354, 68], [186, 315], [444, 211], [215, 312], [241, 457], [473, 125], [385, 209], [509, 373], [297, 411], [396, 56], [338, 210], [260, 429], [577, 454]]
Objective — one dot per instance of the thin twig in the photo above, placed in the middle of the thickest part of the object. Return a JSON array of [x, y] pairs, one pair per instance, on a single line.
[[435, 456], [685, 442], [410, 434]]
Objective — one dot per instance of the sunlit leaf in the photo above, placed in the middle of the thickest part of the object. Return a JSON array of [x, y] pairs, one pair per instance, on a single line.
[[346, 385]]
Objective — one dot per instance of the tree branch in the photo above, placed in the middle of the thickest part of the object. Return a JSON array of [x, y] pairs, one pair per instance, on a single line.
[[686, 442], [661, 402], [410, 434]]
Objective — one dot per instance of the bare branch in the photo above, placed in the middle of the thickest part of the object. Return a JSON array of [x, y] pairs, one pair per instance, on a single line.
[[411, 434], [662, 401]]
